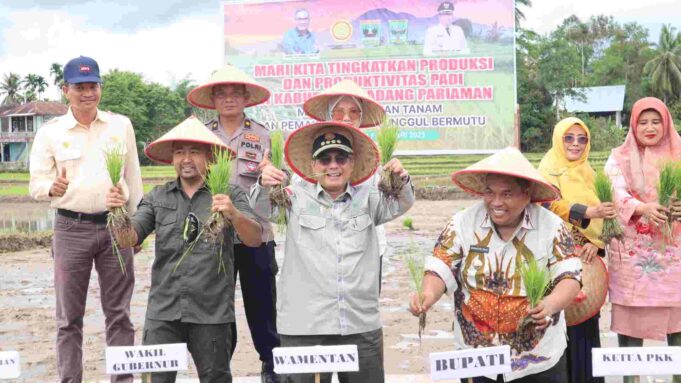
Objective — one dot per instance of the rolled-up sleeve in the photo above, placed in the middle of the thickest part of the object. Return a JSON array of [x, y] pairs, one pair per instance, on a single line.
[[42, 168], [447, 255]]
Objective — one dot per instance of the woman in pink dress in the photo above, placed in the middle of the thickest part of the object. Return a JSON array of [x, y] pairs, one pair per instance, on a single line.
[[645, 284]]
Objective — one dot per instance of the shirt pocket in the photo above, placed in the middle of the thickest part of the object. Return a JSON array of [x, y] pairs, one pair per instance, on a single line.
[[247, 161], [68, 158], [358, 233], [168, 232], [311, 233]]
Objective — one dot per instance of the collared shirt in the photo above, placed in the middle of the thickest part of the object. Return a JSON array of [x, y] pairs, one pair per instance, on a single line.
[[195, 292], [329, 279], [296, 42], [63, 143], [249, 142], [440, 39], [481, 270]]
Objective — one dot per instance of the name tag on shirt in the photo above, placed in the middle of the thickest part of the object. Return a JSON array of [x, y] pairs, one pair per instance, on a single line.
[[478, 249]]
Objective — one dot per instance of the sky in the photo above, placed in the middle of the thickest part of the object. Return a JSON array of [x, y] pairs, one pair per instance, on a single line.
[[167, 41]]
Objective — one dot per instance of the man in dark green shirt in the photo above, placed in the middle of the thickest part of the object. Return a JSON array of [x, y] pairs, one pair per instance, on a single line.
[[194, 303]]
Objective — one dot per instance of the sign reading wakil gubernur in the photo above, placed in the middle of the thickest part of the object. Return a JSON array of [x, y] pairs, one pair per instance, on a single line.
[[446, 80], [470, 363], [298, 360], [10, 365], [134, 359], [636, 361]]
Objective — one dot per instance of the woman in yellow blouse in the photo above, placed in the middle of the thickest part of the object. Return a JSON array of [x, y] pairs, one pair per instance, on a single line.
[[566, 166]]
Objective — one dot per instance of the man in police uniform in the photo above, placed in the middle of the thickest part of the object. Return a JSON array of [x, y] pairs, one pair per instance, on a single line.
[[444, 37], [229, 91]]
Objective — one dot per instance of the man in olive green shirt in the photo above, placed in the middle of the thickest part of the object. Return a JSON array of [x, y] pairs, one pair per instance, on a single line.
[[192, 303]]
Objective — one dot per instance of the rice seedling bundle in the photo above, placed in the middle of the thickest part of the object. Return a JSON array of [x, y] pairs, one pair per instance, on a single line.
[[670, 176], [117, 221], [416, 266], [611, 227], [536, 280], [278, 196], [388, 136]]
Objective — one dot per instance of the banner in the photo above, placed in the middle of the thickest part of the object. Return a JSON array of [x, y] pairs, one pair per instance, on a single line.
[[444, 71]]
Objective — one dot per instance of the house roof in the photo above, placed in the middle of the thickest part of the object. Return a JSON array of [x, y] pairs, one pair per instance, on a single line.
[[36, 108], [597, 99]]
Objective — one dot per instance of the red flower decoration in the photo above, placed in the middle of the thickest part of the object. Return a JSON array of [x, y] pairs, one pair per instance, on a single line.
[[631, 253], [643, 228]]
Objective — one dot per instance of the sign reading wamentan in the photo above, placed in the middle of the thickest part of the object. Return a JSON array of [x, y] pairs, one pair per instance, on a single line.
[[448, 81]]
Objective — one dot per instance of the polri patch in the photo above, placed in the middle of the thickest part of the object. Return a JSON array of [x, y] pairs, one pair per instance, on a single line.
[[478, 249], [251, 166]]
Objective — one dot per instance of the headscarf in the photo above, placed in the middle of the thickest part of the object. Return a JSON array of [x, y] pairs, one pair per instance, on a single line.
[[640, 165], [334, 101], [574, 179]]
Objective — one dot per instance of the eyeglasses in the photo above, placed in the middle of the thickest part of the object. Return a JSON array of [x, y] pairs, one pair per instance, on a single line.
[[224, 95], [191, 228], [339, 114], [582, 140], [340, 159]]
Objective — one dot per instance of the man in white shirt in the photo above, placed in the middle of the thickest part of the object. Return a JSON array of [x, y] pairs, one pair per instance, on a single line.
[[444, 37]]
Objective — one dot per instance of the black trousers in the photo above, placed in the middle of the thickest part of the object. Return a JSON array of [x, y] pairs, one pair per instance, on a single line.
[[209, 345], [257, 268], [369, 348]]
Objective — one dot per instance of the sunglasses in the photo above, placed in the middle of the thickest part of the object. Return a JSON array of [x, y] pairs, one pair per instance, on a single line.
[[190, 229], [339, 114], [582, 140], [340, 159]]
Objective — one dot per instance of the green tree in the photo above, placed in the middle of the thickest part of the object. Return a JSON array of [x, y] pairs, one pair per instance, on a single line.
[[10, 87], [34, 85], [558, 69], [519, 15], [182, 88], [665, 68], [57, 73]]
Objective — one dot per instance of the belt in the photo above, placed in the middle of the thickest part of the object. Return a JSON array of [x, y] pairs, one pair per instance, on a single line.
[[95, 218]]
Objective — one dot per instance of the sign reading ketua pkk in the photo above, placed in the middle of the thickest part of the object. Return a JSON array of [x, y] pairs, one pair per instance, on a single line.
[[156, 358], [636, 361], [10, 365], [299, 360], [470, 363]]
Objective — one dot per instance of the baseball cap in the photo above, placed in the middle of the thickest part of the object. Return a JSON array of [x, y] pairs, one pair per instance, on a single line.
[[81, 69]]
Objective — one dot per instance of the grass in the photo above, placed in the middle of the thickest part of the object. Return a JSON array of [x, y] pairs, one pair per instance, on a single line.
[[670, 174], [278, 197], [387, 141], [536, 280], [117, 220], [408, 223], [415, 261], [611, 227]]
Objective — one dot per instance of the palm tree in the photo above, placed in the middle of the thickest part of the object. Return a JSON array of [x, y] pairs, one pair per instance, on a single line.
[[35, 84], [519, 15], [57, 73], [665, 68], [10, 86]]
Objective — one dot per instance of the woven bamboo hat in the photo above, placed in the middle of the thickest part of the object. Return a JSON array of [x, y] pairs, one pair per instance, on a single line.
[[228, 75], [592, 296], [189, 130], [298, 150], [317, 106], [509, 162]]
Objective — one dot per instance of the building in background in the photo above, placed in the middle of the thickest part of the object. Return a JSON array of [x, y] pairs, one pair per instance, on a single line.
[[598, 101], [18, 126]]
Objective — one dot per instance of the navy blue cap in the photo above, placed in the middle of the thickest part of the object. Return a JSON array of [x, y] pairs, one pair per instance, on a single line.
[[81, 69], [328, 141]]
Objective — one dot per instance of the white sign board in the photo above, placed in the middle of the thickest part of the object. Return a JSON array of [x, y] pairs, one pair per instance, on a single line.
[[10, 365], [156, 358], [624, 361], [470, 363], [299, 360]]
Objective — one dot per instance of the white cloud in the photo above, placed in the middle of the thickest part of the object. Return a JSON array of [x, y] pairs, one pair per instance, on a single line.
[[35, 39]]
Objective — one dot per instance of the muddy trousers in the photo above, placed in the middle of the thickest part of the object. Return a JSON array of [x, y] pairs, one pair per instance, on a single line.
[[209, 344], [629, 341], [76, 246]]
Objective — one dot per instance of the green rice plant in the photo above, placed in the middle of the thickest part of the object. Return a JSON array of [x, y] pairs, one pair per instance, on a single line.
[[388, 136], [416, 264], [117, 221], [408, 223], [611, 227], [536, 280], [278, 197], [666, 193]]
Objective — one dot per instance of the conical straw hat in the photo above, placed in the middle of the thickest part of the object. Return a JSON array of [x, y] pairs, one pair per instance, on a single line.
[[317, 106], [508, 162], [298, 150], [594, 291], [189, 130], [228, 75]]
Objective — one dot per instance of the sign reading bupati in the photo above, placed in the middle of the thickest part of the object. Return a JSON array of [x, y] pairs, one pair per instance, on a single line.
[[446, 79], [299, 360], [627, 361], [470, 363], [10, 365], [156, 358]]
